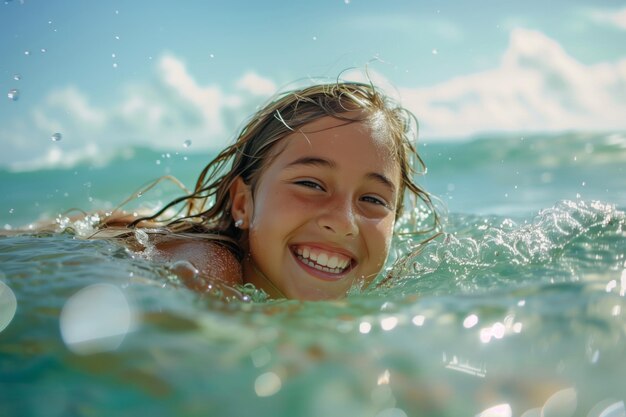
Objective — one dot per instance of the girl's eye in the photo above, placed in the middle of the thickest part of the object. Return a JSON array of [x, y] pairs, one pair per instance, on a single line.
[[375, 200], [309, 184]]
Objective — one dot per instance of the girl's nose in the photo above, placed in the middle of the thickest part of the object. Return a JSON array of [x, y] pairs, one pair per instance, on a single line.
[[339, 218]]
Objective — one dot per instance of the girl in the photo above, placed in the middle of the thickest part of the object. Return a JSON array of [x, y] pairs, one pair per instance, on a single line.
[[303, 204]]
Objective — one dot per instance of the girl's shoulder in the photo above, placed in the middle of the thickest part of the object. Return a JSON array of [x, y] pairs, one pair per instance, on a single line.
[[212, 260]]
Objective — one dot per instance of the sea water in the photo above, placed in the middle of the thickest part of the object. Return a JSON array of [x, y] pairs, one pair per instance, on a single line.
[[517, 309]]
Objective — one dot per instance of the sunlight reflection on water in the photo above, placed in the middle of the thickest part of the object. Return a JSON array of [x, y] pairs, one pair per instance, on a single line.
[[96, 319]]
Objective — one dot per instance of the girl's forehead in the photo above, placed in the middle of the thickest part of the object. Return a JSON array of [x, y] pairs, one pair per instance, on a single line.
[[373, 125], [351, 134], [335, 138]]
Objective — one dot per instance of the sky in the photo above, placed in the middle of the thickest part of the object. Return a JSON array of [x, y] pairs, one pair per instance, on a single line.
[[84, 76]]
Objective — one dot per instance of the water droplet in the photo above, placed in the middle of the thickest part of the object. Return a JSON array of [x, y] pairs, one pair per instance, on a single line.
[[261, 357], [384, 378], [26, 53], [187, 143], [314, 38], [8, 302], [184, 158], [435, 51], [14, 94], [117, 12], [365, 327], [44, 50], [485, 334], [96, 319], [11, 211], [470, 321], [17, 77], [346, 1], [117, 37], [267, 384], [184, 269], [211, 56], [500, 410], [392, 412], [561, 403], [389, 323], [56, 137], [115, 65], [112, 55], [158, 162]]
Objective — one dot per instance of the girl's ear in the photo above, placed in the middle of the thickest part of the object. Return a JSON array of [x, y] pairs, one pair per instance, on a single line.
[[241, 203]]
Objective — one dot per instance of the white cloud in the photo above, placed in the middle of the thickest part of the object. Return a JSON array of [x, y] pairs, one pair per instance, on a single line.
[[163, 113], [537, 86], [72, 101], [51, 116], [207, 101], [55, 157], [616, 18], [257, 85]]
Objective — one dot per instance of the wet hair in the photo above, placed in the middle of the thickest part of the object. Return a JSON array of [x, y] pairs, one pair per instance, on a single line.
[[207, 208]]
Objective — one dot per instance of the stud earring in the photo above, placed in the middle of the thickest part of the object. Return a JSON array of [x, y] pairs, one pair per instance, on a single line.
[[238, 223]]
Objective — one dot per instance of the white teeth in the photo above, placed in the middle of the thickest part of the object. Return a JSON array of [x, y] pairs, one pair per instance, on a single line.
[[322, 261]]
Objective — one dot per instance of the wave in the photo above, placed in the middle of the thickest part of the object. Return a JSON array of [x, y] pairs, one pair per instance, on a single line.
[[569, 242], [58, 159], [91, 155], [540, 151]]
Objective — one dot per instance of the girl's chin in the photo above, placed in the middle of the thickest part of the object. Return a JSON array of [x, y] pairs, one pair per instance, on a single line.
[[318, 295], [313, 289]]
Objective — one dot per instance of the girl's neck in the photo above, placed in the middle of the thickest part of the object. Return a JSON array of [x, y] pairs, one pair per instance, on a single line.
[[252, 275]]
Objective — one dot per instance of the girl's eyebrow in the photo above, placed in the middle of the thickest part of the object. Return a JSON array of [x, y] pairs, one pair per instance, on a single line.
[[327, 163], [313, 161]]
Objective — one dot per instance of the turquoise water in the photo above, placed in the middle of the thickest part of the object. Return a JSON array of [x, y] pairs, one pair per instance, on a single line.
[[518, 309]]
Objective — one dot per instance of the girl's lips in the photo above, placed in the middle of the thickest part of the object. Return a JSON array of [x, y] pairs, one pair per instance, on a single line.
[[328, 265]]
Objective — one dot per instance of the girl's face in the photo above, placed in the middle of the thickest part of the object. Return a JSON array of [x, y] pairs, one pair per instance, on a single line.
[[323, 211]]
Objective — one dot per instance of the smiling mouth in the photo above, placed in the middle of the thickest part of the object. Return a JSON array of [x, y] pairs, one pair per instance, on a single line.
[[324, 261]]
